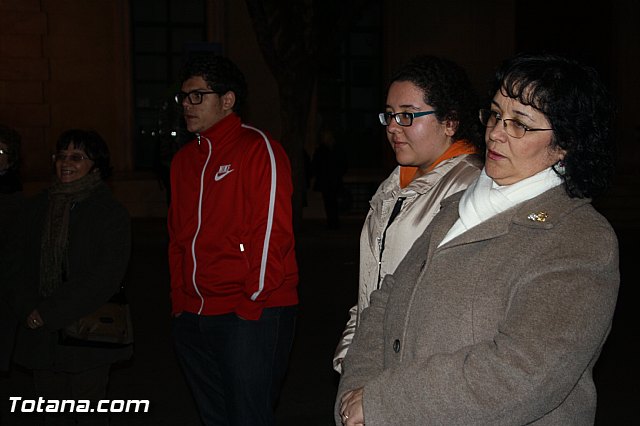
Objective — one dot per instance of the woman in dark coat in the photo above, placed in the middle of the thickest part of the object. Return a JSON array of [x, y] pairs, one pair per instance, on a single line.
[[11, 202], [78, 247]]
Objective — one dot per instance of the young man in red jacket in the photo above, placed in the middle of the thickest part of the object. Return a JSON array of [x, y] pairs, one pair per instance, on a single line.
[[231, 252]]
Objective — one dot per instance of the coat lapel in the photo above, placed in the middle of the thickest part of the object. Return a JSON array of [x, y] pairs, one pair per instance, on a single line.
[[539, 212]]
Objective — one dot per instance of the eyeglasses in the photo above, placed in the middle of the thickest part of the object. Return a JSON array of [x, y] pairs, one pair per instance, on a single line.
[[73, 157], [404, 119], [513, 127], [195, 97]]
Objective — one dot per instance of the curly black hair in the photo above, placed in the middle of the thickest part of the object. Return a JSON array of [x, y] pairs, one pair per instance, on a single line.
[[579, 108], [92, 144], [448, 90], [220, 73]]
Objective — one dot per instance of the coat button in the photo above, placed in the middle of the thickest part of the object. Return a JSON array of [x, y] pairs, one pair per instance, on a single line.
[[396, 346]]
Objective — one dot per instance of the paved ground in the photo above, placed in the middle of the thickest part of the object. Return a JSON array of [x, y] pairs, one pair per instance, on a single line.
[[328, 270]]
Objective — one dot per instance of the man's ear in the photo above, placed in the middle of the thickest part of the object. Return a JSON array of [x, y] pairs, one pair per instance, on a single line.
[[228, 100]]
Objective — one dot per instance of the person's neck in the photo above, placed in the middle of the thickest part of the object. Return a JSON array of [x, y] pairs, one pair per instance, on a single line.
[[225, 122], [457, 148]]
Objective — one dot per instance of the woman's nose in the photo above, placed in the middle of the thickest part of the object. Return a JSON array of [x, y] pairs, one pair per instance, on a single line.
[[497, 132], [394, 127]]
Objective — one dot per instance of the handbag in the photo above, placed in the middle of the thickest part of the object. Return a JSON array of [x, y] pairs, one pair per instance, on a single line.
[[109, 326]]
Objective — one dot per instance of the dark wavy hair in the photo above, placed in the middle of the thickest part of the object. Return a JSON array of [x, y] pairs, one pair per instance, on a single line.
[[579, 108], [92, 144], [448, 90], [12, 139], [220, 73]]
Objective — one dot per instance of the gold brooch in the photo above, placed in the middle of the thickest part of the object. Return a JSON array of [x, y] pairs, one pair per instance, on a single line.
[[538, 217]]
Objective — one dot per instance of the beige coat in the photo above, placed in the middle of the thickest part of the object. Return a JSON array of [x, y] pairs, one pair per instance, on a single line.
[[500, 326], [422, 201]]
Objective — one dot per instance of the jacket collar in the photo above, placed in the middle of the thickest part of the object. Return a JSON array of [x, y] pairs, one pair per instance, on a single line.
[[542, 212], [219, 132], [390, 188]]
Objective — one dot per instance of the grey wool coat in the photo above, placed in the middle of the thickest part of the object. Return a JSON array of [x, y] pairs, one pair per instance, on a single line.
[[500, 326]]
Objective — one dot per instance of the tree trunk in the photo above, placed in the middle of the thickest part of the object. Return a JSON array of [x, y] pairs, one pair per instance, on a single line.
[[294, 38]]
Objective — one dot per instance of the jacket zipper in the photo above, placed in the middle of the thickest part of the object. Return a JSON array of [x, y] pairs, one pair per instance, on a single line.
[[195, 236], [397, 207]]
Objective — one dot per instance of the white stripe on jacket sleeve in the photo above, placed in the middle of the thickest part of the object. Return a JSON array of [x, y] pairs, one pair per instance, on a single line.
[[272, 202]]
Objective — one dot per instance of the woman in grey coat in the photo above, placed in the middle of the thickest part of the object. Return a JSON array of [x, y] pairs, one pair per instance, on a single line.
[[499, 311]]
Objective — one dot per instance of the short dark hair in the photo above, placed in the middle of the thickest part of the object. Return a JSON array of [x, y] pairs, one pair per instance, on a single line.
[[92, 144], [448, 90], [11, 138], [578, 107], [220, 73]]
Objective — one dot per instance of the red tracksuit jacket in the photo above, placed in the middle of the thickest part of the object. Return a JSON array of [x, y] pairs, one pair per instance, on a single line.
[[231, 246]]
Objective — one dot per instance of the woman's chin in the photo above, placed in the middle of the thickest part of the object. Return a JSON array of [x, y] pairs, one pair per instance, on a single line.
[[67, 178]]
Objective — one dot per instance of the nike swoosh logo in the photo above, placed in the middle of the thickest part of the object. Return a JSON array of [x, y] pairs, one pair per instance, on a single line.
[[219, 175]]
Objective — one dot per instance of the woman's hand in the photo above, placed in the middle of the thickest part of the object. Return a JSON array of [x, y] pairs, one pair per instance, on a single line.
[[34, 320], [351, 410]]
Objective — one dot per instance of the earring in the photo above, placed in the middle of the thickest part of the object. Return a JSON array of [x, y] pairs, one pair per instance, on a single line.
[[559, 168]]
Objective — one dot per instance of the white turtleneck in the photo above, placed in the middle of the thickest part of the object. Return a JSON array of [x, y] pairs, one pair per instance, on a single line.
[[484, 198]]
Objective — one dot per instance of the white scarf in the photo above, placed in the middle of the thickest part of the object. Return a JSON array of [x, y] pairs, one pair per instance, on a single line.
[[484, 198]]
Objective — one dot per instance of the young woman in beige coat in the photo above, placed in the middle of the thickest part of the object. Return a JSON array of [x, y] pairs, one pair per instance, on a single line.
[[499, 311], [431, 123]]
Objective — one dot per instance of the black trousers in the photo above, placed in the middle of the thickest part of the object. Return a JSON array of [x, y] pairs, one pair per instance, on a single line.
[[86, 385], [235, 367]]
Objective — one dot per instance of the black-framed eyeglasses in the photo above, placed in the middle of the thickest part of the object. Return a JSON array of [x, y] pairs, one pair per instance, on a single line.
[[74, 157], [404, 119], [195, 96], [513, 127]]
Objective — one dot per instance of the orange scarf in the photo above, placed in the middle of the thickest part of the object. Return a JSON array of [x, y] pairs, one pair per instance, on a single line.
[[408, 173]]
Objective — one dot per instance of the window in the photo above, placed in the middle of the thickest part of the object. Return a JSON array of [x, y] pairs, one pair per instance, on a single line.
[[350, 97], [162, 31]]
